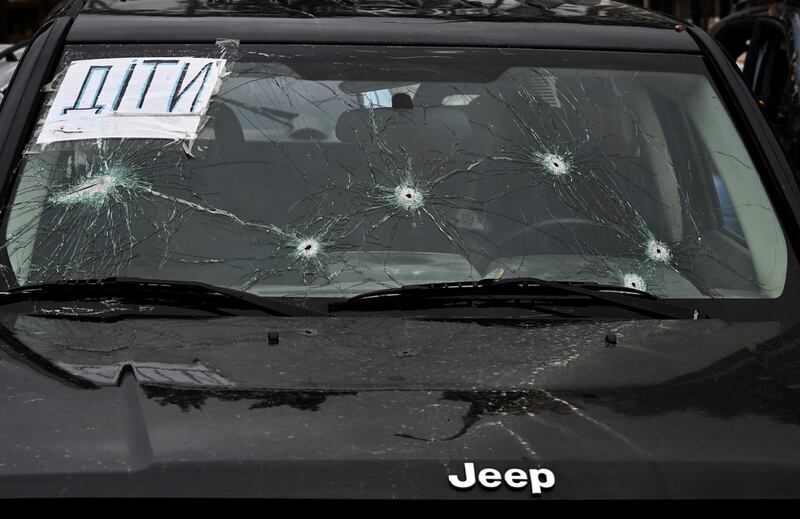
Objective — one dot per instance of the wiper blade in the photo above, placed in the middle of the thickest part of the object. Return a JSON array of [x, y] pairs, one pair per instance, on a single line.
[[440, 294], [189, 293]]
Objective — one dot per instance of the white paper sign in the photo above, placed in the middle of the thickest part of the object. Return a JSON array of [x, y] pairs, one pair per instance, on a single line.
[[154, 98]]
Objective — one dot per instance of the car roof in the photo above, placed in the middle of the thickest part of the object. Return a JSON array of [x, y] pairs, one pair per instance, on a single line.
[[591, 11], [582, 24]]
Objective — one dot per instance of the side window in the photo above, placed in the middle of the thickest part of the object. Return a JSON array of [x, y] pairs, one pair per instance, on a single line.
[[729, 218], [9, 58], [767, 68], [719, 197], [735, 36]]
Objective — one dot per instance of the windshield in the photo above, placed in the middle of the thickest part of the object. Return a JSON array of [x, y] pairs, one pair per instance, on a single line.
[[334, 171]]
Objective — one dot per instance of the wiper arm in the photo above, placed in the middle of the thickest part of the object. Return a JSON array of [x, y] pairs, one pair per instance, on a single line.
[[511, 289], [192, 294]]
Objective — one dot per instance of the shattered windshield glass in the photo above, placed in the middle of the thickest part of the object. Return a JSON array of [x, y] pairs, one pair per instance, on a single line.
[[333, 171]]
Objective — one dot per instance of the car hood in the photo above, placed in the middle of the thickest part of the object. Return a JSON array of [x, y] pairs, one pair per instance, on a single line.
[[389, 407]]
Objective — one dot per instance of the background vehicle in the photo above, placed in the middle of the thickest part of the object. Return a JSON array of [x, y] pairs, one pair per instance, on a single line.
[[339, 250], [761, 38], [9, 57]]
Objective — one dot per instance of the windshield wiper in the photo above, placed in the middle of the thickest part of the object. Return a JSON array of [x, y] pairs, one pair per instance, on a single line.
[[515, 289], [174, 293]]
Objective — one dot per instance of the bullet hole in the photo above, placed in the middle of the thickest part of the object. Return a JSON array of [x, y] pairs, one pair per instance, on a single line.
[[554, 163], [634, 281], [308, 248], [658, 251], [94, 190], [408, 197]]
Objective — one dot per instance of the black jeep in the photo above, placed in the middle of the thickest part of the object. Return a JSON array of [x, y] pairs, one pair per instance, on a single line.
[[393, 249]]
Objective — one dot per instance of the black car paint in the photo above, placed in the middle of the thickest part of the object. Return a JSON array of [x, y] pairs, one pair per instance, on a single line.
[[391, 407], [579, 11], [524, 24], [388, 407]]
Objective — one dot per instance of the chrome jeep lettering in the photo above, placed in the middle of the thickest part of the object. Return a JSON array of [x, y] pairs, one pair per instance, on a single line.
[[469, 481], [537, 479]]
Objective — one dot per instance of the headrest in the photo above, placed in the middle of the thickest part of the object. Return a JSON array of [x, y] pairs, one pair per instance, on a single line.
[[426, 128]]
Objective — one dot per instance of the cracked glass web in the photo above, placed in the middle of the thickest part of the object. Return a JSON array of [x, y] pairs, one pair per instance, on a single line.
[[334, 174]]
